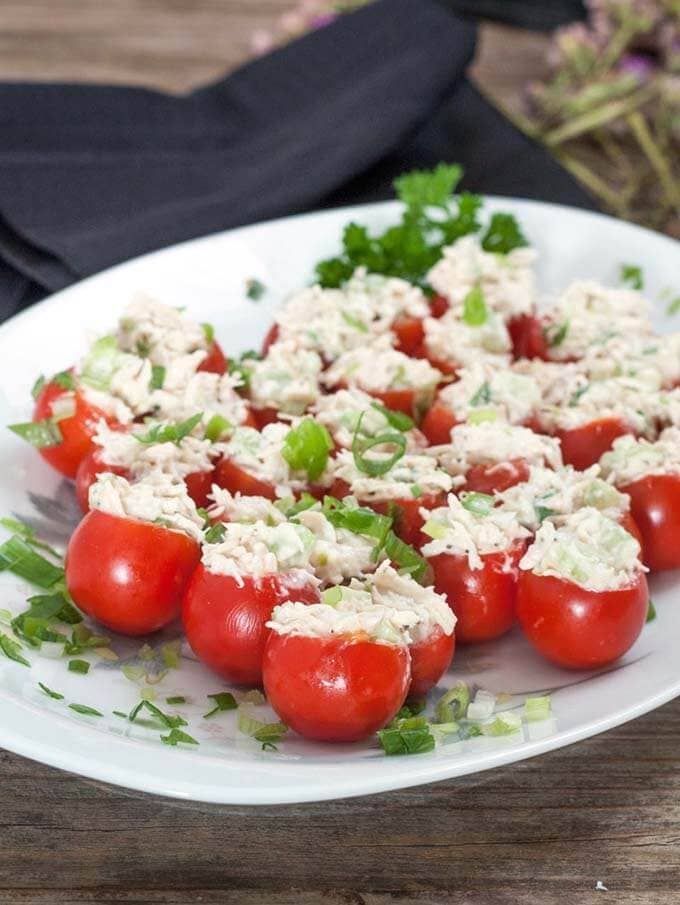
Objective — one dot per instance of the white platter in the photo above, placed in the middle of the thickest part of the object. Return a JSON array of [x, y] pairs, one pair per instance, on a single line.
[[208, 276]]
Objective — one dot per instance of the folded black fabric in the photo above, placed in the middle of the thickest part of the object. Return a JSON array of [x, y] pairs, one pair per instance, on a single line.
[[92, 175], [535, 14]]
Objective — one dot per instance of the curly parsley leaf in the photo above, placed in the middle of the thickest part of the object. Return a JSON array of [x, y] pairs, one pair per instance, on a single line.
[[503, 235]]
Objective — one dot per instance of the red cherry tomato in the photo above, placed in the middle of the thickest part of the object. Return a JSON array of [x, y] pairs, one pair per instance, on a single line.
[[498, 477], [409, 333], [199, 484], [91, 466], [655, 507], [408, 521], [528, 339], [225, 623], [405, 401], [437, 424], [631, 526], [129, 575], [447, 367], [270, 338], [76, 431], [439, 305], [235, 479], [430, 658], [584, 446], [215, 361], [578, 628], [482, 599], [339, 689], [263, 417]]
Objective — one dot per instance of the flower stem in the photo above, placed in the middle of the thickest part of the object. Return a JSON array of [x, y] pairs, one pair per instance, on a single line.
[[598, 117], [640, 130]]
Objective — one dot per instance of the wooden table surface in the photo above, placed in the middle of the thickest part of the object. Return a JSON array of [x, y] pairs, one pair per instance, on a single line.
[[543, 831]]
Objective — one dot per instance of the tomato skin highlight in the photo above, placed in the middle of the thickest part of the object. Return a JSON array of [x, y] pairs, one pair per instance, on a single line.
[[215, 361], [235, 479], [225, 623], [438, 423], [484, 600], [578, 628], [584, 446], [655, 507], [129, 575], [338, 689], [430, 659], [409, 333], [77, 431], [496, 478]]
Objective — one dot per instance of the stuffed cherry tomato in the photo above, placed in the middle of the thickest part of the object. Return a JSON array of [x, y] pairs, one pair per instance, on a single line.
[[528, 339], [430, 659], [225, 619], [584, 446], [655, 507], [497, 477], [438, 422], [76, 428], [332, 687], [582, 596], [409, 333], [88, 470], [127, 574]]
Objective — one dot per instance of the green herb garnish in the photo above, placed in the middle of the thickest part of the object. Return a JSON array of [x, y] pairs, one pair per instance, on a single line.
[[398, 420], [632, 275], [41, 434], [176, 737], [50, 694], [80, 666], [11, 649], [503, 235], [255, 289], [475, 312], [170, 433], [306, 448], [85, 710], [224, 700]]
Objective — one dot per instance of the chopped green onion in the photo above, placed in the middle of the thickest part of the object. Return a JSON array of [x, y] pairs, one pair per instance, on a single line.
[[331, 596], [215, 534], [362, 444], [28, 534], [11, 649], [453, 704], [555, 334], [306, 448], [503, 724], [416, 491], [41, 434], [170, 722], [537, 708], [216, 427], [224, 700], [651, 612], [38, 386], [176, 737], [404, 556], [406, 739], [503, 235], [172, 654], [255, 289], [85, 710], [358, 520], [398, 420], [65, 380], [475, 312], [434, 529], [482, 396], [175, 699], [632, 275], [240, 369], [673, 306], [268, 733], [157, 377], [480, 416], [51, 694], [291, 509], [477, 503], [17, 556], [82, 639], [352, 321], [170, 433], [79, 666], [542, 513], [101, 363], [209, 333], [120, 713]]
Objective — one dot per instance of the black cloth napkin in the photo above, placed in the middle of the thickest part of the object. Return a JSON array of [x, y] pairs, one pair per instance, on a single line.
[[92, 175]]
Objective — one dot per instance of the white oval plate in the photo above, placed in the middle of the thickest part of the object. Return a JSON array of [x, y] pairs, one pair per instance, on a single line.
[[209, 276]]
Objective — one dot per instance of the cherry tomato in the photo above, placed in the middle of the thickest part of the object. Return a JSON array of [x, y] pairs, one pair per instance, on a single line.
[[430, 658], [655, 507], [264, 416], [215, 361], [628, 522], [76, 431], [225, 622], [437, 424], [199, 485], [91, 466], [447, 367], [405, 401], [409, 333], [584, 446], [338, 689], [578, 628], [528, 339], [270, 338], [482, 599], [408, 521], [235, 479], [439, 305], [129, 575], [497, 477]]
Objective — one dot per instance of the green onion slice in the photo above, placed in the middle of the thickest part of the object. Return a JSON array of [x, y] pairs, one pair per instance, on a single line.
[[475, 311], [41, 434], [477, 503], [306, 448], [398, 420], [362, 444]]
